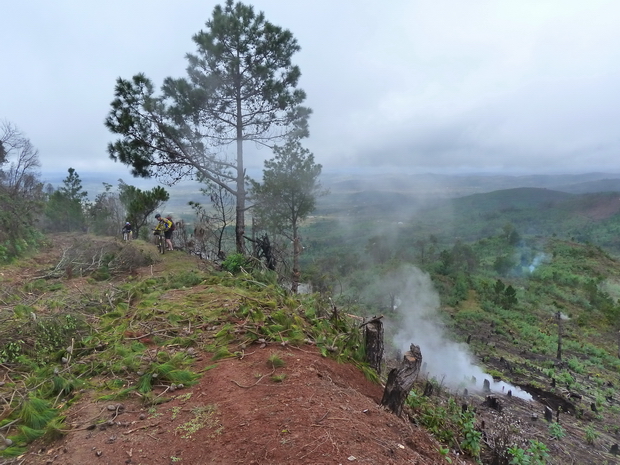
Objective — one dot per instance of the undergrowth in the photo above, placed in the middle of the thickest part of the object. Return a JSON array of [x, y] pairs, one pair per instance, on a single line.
[[141, 336]]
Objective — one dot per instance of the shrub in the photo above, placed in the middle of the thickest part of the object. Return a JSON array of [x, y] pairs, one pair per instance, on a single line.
[[591, 435], [235, 262], [536, 454], [556, 431]]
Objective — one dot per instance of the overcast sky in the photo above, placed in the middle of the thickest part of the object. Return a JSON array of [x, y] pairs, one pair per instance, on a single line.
[[445, 86]]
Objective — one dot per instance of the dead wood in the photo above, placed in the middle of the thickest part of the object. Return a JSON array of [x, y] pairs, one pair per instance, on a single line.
[[400, 380], [373, 335]]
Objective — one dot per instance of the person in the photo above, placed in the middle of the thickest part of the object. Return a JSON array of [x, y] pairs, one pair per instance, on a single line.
[[127, 231], [165, 225]]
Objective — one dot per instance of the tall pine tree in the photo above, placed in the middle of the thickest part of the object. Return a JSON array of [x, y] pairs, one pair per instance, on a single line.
[[241, 86]]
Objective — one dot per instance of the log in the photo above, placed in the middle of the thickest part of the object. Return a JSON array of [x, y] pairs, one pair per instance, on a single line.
[[400, 380], [374, 342]]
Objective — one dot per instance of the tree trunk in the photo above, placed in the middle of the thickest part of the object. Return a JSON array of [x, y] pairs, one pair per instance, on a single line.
[[558, 315], [400, 380], [373, 335], [296, 251], [240, 212]]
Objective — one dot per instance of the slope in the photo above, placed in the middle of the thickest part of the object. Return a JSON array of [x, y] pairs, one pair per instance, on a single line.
[[166, 360]]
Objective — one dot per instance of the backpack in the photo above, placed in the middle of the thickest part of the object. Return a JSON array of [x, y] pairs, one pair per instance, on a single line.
[[172, 226]]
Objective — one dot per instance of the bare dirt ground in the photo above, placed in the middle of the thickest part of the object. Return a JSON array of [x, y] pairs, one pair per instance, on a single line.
[[312, 410]]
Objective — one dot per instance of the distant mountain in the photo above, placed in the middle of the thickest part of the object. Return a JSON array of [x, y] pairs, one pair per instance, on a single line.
[[512, 199], [393, 194], [601, 185], [446, 186]]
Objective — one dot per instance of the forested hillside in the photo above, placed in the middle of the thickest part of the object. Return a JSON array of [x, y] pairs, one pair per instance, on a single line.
[[525, 281], [516, 287]]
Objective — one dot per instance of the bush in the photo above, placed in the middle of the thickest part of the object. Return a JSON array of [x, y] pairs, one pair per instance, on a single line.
[[235, 262]]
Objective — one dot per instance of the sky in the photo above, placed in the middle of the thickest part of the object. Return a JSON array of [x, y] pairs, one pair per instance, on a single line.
[[442, 86]]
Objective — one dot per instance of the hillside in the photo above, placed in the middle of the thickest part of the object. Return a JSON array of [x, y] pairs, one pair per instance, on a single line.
[[171, 361], [160, 360], [354, 220]]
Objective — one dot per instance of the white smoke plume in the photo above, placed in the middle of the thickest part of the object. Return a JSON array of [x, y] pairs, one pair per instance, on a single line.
[[538, 259], [447, 361]]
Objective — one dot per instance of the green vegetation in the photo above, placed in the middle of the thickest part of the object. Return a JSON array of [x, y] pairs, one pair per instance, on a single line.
[[274, 361], [139, 339], [266, 107], [535, 454], [285, 198], [509, 284], [556, 431]]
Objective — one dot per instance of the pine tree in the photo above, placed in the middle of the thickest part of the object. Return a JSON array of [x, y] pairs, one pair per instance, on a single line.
[[241, 86], [288, 195]]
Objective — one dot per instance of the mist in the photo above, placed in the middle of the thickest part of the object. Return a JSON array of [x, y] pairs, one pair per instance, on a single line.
[[449, 362]]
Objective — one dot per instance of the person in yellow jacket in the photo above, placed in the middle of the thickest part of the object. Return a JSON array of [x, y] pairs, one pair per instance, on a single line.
[[166, 226]]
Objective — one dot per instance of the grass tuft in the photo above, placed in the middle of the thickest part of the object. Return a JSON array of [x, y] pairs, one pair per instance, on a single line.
[[274, 361]]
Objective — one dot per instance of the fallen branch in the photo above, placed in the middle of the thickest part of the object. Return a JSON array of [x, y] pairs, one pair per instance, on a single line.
[[248, 387], [140, 427]]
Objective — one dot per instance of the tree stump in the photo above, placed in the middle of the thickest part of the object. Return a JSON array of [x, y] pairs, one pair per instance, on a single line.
[[373, 333], [486, 386], [493, 402], [548, 414], [400, 380], [428, 389]]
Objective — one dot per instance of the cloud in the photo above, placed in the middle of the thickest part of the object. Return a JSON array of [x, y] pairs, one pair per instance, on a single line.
[[441, 86]]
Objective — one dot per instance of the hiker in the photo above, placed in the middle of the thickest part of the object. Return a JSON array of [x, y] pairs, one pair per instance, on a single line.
[[167, 226], [127, 231]]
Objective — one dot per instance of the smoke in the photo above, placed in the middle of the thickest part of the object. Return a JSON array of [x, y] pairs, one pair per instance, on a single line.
[[538, 259], [447, 361]]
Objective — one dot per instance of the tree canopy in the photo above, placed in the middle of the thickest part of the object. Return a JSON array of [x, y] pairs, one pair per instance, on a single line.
[[65, 206], [241, 86], [288, 194], [141, 204], [21, 192]]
